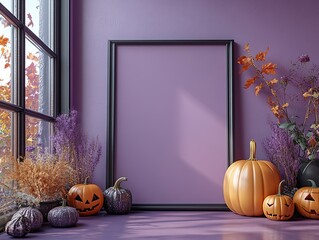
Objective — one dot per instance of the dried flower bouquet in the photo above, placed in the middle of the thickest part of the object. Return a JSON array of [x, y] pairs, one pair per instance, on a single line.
[[31, 181], [300, 86], [71, 144], [293, 98]]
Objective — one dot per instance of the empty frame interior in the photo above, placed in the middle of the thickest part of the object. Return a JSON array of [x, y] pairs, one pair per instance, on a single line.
[[170, 120]]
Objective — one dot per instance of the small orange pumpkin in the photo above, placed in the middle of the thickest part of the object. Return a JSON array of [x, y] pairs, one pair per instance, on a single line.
[[306, 201], [278, 207], [87, 198], [248, 182]]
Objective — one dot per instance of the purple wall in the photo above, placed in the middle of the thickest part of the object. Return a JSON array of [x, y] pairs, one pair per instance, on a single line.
[[288, 27]]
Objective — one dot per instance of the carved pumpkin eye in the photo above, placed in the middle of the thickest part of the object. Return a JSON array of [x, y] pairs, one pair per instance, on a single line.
[[309, 198], [286, 204], [78, 198], [95, 198], [270, 204]]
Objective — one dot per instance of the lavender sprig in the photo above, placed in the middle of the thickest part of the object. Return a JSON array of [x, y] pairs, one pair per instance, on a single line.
[[71, 144], [283, 153], [304, 58]]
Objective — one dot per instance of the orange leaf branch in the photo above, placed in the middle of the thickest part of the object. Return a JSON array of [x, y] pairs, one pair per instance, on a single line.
[[249, 61]]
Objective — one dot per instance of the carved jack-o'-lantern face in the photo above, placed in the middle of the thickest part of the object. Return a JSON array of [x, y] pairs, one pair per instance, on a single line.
[[86, 198], [278, 207], [306, 200]]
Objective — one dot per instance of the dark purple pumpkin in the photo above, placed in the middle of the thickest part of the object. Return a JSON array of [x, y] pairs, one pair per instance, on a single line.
[[18, 226], [63, 216], [34, 215], [117, 200]]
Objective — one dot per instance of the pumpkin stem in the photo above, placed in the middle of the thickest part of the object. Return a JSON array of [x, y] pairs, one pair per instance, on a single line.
[[279, 187], [313, 184], [86, 180], [252, 151], [63, 202], [117, 184]]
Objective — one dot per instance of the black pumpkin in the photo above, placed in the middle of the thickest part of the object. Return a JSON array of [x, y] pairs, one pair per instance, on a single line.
[[18, 226], [63, 216], [34, 215], [117, 200], [308, 170]]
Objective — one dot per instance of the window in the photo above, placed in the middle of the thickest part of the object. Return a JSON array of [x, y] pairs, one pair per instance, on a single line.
[[31, 80]]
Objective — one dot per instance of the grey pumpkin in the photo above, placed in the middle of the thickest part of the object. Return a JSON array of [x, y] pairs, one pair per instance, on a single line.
[[63, 216], [117, 200], [33, 214], [18, 226]]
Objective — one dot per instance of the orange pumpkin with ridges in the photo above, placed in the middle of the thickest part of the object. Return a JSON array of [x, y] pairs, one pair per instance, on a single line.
[[306, 201], [87, 198], [278, 207], [248, 182]]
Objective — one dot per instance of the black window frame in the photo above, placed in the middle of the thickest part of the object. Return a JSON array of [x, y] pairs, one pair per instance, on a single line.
[[61, 76]]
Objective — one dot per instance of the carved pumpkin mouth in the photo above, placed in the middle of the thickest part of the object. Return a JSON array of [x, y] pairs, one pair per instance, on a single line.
[[88, 209], [312, 211], [275, 215]]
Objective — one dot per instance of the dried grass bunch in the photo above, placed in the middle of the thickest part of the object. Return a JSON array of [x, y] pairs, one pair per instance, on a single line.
[[31, 181]]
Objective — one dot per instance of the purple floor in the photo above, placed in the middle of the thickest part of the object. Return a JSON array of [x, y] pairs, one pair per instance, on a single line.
[[181, 225]]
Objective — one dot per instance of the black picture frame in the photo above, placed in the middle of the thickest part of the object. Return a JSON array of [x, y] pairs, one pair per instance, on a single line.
[[113, 46]]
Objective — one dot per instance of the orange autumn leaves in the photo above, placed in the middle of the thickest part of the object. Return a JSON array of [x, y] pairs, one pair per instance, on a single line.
[[5, 51], [32, 88], [248, 61], [3, 41], [262, 79]]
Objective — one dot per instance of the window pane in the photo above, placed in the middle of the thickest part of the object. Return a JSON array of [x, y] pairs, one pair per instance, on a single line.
[[6, 145], [39, 18], [6, 133], [38, 80], [9, 4], [7, 33], [38, 134]]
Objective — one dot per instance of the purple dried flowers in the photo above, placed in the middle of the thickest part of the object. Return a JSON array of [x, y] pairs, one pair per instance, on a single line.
[[30, 148], [71, 144], [304, 58], [281, 151], [303, 78]]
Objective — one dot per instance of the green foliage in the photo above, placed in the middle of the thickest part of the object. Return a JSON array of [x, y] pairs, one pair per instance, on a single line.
[[307, 142]]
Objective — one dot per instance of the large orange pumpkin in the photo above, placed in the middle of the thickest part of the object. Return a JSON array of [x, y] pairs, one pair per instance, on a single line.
[[87, 198], [306, 201], [248, 182]]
